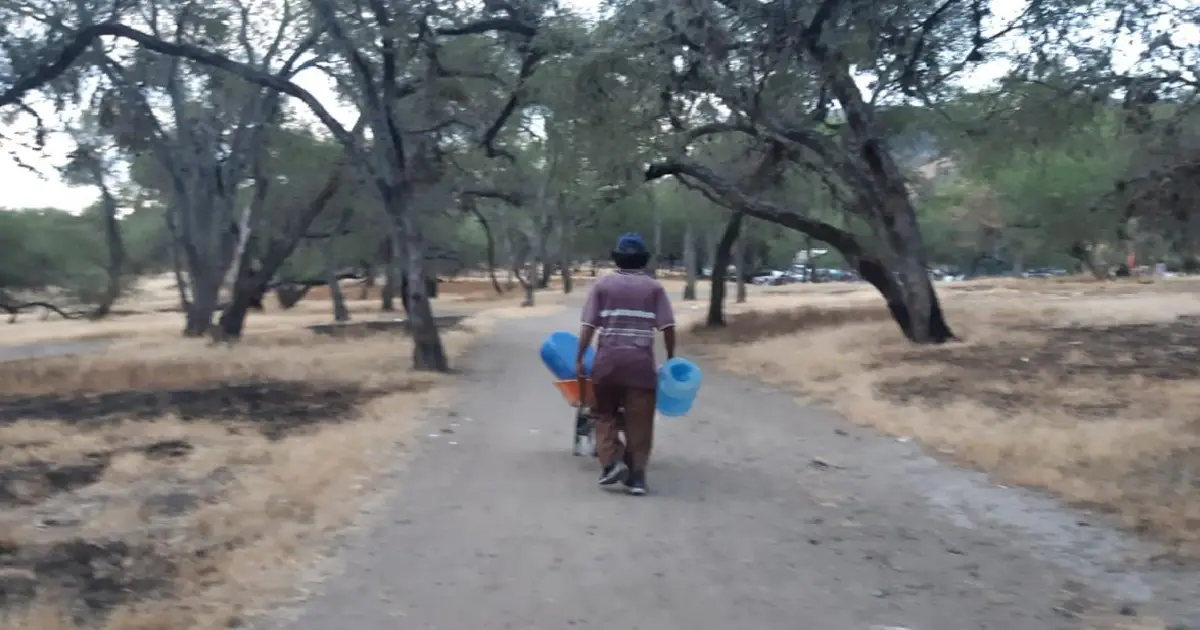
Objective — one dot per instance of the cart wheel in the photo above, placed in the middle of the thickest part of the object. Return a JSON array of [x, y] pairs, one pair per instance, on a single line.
[[580, 435]]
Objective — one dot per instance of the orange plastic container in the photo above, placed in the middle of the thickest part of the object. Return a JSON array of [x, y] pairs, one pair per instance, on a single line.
[[569, 389]]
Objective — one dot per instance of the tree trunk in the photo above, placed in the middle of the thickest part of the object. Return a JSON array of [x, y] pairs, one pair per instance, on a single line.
[[206, 291], [875, 273], [1089, 260], [368, 280], [241, 249], [689, 261], [233, 319], [529, 281], [289, 295], [247, 273], [739, 251], [250, 288], [809, 267], [491, 248], [510, 259], [891, 212], [387, 294], [656, 252], [716, 299], [392, 274], [567, 280], [710, 249], [340, 312], [547, 272], [116, 254], [543, 269], [564, 258], [181, 283], [208, 246], [1185, 245], [428, 353]]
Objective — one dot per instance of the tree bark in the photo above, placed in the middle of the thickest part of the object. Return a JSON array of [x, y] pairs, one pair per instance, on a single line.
[[530, 284], [542, 269], [934, 324], [656, 252], [338, 301], [116, 252], [368, 280], [428, 352], [251, 287], [739, 251], [393, 273], [564, 257], [510, 258], [887, 204], [567, 280], [716, 299], [206, 291], [689, 261], [875, 273], [710, 249], [491, 247], [181, 283]]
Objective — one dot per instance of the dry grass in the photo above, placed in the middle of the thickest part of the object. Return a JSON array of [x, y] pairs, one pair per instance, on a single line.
[[1088, 390], [171, 484], [151, 311]]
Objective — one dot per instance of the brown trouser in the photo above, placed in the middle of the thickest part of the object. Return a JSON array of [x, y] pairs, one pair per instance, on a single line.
[[639, 424]]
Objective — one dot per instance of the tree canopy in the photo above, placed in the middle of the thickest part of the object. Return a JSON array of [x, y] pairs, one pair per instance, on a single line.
[[523, 135]]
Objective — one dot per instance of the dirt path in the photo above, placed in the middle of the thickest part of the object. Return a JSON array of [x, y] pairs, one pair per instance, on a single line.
[[763, 514]]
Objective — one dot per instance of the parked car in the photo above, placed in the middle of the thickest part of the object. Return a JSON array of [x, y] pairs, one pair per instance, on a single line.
[[773, 277]]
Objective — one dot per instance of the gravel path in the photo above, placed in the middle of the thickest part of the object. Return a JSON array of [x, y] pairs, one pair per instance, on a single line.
[[763, 515]]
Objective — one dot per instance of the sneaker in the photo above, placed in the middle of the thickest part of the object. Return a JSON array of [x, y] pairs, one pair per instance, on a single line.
[[614, 473], [635, 484]]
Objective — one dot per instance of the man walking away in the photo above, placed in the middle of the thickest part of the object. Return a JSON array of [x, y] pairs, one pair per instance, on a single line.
[[626, 307]]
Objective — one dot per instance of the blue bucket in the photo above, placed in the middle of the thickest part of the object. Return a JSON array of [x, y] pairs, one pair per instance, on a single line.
[[678, 382], [558, 355]]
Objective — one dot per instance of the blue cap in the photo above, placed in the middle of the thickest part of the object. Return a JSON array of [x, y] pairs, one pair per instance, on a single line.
[[630, 243]]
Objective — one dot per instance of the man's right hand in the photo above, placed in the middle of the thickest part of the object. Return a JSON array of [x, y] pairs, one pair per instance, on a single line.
[[669, 341], [583, 382]]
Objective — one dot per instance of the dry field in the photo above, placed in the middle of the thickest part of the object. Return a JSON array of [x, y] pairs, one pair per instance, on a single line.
[[1087, 390], [152, 311], [160, 483]]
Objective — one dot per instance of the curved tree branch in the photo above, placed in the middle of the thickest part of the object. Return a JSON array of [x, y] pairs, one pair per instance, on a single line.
[[84, 38], [733, 197], [15, 309]]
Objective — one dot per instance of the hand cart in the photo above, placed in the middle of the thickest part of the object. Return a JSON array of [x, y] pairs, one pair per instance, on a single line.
[[585, 430]]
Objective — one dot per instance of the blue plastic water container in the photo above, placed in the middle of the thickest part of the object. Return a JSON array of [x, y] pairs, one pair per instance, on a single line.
[[678, 382], [558, 353]]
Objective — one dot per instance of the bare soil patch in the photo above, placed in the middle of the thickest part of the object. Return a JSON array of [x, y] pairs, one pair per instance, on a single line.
[[276, 408], [1084, 389], [169, 483]]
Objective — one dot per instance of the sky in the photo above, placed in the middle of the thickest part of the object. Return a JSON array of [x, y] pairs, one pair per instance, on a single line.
[[24, 188]]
